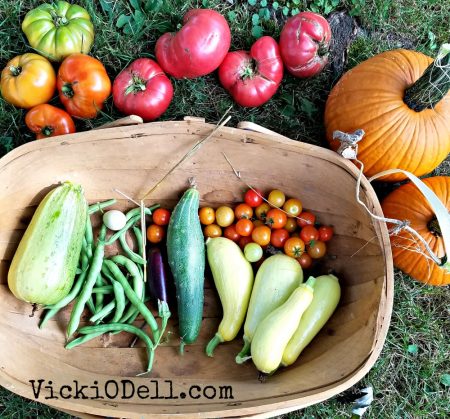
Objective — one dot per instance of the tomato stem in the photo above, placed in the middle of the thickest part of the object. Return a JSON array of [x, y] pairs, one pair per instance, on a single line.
[[137, 85], [323, 49], [47, 131], [67, 90], [15, 71], [433, 85], [59, 20], [249, 70]]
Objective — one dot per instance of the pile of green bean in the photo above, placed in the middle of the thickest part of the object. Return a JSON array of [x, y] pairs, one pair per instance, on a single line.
[[100, 279]]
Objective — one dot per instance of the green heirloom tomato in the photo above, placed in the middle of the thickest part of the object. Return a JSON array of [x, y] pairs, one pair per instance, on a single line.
[[59, 29]]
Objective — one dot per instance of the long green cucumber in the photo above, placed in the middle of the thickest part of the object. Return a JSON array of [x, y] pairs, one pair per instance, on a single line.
[[44, 266], [186, 257]]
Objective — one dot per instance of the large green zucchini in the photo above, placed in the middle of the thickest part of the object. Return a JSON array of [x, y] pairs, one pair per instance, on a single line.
[[44, 266]]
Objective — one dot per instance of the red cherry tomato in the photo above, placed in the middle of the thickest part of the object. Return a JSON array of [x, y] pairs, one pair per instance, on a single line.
[[244, 240], [244, 227], [161, 217], [278, 237], [243, 211], [305, 260], [261, 235], [317, 249], [306, 218], [294, 247], [325, 233], [309, 234], [231, 233], [276, 218], [253, 197], [155, 233]]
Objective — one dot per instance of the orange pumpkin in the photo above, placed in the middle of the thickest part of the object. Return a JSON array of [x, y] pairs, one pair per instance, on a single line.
[[408, 203], [401, 100]]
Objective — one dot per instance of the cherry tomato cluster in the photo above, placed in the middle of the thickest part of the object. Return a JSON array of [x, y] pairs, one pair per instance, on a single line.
[[279, 222], [156, 231]]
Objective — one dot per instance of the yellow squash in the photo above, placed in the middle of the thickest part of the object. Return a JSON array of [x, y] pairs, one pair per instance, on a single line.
[[233, 277]]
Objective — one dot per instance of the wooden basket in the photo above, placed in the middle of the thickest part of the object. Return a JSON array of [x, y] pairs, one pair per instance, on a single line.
[[132, 159]]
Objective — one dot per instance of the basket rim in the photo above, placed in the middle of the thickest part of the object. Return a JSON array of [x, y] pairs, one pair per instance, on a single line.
[[270, 408]]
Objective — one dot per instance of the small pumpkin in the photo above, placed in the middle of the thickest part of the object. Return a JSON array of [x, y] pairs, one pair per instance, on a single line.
[[400, 99], [408, 203]]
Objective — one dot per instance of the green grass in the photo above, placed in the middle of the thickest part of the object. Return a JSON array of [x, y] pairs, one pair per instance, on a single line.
[[406, 384]]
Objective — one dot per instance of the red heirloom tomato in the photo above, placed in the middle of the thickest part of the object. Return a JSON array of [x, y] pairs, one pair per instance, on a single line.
[[83, 85], [48, 121], [252, 78], [304, 43], [197, 48], [142, 89]]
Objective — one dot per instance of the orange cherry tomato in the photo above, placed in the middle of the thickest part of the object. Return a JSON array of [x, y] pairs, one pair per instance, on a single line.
[[207, 215], [293, 207], [231, 233], [291, 225], [244, 240], [83, 85], [317, 249], [28, 80], [243, 211], [276, 198], [212, 230], [261, 235], [224, 216], [161, 217], [155, 233], [294, 247], [48, 121], [306, 218], [276, 218], [278, 237], [258, 223], [305, 260], [262, 210], [244, 227]]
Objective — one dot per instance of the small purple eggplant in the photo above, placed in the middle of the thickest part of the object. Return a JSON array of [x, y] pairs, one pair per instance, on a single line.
[[159, 280]]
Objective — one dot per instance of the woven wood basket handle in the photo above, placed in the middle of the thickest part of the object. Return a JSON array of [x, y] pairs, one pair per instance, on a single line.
[[122, 122]]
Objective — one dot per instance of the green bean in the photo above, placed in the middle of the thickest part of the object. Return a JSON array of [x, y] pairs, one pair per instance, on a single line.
[[132, 296], [138, 233], [91, 305], [100, 315], [99, 206], [105, 289], [65, 301], [116, 235], [89, 236], [119, 295], [137, 211], [138, 285], [82, 339], [128, 252], [99, 297], [113, 327], [94, 270]]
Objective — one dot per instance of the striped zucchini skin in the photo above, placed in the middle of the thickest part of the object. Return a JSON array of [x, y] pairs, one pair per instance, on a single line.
[[44, 266], [186, 256]]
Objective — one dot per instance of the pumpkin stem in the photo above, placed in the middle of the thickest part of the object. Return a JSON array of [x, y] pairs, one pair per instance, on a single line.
[[433, 85]]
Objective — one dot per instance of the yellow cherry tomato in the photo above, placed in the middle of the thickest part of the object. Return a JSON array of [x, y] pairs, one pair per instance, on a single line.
[[276, 198], [224, 216]]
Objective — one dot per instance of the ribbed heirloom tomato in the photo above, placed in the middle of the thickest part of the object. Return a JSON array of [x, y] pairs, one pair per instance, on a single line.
[[197, 48], [28, 80], [252, 78], [304, 43], [83, 85], [142, 89], [48, 121]]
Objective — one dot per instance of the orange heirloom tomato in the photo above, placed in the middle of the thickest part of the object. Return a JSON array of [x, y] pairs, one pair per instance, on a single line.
[[83, 85], [28, 80], [48, 121]]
